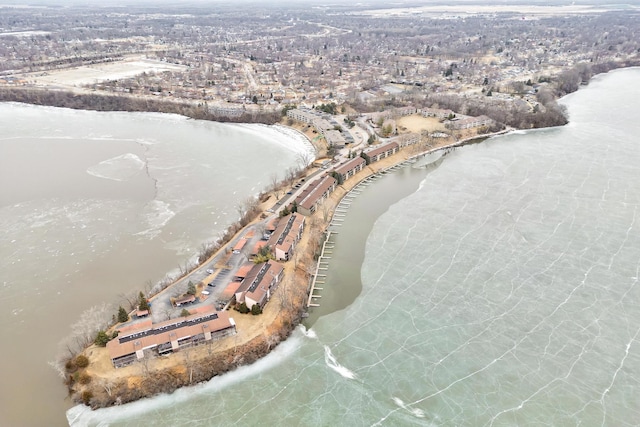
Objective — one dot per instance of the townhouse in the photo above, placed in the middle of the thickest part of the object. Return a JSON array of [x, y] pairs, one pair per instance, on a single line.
[[286, 235], [135, 341], [315, 193], [351, 168], [382, 151], [261, 280]]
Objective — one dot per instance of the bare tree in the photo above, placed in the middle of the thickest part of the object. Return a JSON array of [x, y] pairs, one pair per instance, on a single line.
[[129, 299], [91, 321], [106, 384], [304, 159], [275, 185], [146, 361]]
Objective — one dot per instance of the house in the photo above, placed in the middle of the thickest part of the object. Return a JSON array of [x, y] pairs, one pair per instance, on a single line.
[[383, 151], [351, 168], [136, 340], [314, 194], [261, 281]]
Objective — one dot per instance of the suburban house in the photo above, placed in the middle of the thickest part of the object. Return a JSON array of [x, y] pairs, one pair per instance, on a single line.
[[284, 238], [383, 151], [260, 282], [168, 336], [351, 168], [315, 193]]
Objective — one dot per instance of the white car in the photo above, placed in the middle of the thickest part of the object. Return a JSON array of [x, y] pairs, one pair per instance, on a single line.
[[210, 271]]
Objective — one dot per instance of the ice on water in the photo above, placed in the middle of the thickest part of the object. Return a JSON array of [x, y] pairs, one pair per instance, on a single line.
[[119, 168], [503, 292]]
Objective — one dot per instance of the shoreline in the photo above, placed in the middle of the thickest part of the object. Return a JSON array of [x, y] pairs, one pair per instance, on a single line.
[[417, 155], [254, 344]]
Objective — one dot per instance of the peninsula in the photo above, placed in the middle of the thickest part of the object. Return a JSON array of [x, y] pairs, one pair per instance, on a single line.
[[370, 87]]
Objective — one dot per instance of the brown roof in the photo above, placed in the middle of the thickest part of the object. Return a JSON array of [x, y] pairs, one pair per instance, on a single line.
[[350, 165], [230, 291], [256, 248], [132, 328], [192, 327], [185, 298], [258, 291], [271, 225], [382, 149], [259, 275], [317, 190], [244, 270], [240, 245]]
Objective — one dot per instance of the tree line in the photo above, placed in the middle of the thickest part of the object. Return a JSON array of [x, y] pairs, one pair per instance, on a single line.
[[99, 102]]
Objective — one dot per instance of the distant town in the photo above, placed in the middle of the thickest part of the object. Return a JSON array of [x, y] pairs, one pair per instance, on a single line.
[[508, 63], [370, 86]]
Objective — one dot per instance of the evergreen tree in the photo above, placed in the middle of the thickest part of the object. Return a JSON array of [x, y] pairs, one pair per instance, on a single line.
[[255, 310], [122, 315], [101, 339], [191, 289], [143, 303]]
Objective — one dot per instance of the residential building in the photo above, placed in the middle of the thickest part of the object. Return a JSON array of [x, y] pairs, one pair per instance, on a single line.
[[136, 340], [315, 193], [302, 115], [436, 112], [284, 238], [408, 139], [468, 123], [351, 168], [383, 151], [260, 282]]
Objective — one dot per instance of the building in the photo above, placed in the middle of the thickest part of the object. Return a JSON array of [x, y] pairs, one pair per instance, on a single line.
[[284, 238], [334, 138], [302, 115], [258, 285], [408, 139], [315, 193], [135, 341], [436, 112], [351, 168], [184, 300], [468, 123], [383, 151]]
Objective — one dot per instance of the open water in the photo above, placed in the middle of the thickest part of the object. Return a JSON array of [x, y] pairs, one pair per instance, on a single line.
[[498, 287], [93, 205]]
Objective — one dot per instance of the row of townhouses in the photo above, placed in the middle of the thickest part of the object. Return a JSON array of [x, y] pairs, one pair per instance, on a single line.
[[134, 341], [319, 190]]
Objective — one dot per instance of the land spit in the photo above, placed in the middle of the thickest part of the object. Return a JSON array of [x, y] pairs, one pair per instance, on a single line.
[[257, 335]]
